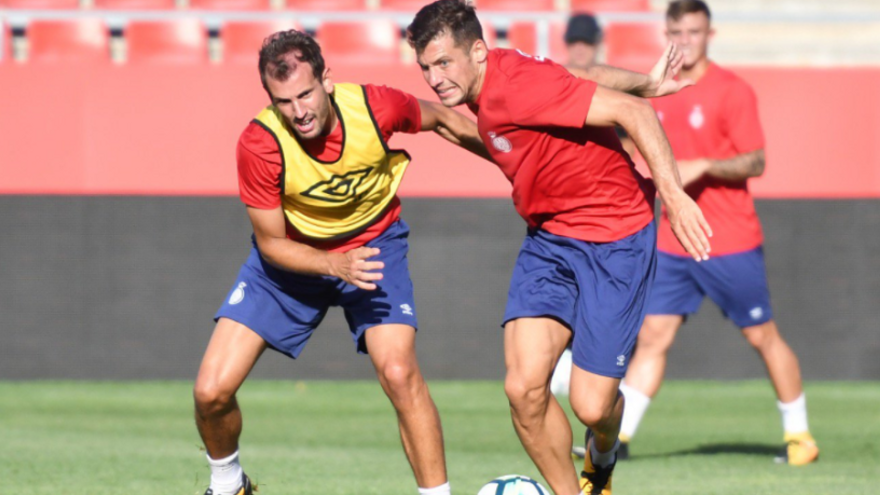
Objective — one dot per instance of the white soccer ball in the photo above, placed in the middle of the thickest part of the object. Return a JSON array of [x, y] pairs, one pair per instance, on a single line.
[[513, 484]]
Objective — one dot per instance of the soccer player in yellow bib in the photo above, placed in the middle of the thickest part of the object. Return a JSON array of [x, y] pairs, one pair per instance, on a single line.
[[319, 182]]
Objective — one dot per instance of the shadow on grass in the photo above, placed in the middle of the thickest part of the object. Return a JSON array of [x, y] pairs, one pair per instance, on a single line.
[[755, 449]]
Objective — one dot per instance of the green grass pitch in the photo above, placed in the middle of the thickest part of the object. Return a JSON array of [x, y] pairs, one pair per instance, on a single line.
[[133, 438]]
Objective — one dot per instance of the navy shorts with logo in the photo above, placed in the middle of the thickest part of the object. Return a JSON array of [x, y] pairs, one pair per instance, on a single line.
[[284, 308], [737, 283], [598, 290]]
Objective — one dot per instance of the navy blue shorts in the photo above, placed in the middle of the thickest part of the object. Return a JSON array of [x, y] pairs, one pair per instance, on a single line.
[[284, 308], [598, 290], [737, 283]]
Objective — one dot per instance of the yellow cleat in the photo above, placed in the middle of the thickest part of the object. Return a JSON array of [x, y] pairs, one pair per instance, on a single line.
[[595, 480], [246, 487], [800, 449]]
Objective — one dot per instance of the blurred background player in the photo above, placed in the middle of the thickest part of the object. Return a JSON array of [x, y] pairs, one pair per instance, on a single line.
[[320, 186], [583, 38], [717, 139]]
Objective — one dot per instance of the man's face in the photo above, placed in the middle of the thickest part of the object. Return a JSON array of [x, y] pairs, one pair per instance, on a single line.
[[452, 71], [692, 34], [581, 55], [304, 101]]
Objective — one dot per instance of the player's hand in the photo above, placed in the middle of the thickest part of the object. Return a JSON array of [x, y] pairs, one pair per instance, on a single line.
[[353, 267], [662, 76], [689, 225], [691, 170]]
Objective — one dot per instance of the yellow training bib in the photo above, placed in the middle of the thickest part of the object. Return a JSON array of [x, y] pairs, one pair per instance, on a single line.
[[327, 200]]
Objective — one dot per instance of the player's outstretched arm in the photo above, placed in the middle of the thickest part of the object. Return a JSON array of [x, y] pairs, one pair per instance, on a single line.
[[738, 168], [659, 82], [636, 116], [453, 126], [279, 251]]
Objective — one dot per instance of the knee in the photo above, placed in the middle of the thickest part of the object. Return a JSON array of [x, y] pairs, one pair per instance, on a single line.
[[594, 412], [399, 378], [211, 398], [526, 394], [761, 336]]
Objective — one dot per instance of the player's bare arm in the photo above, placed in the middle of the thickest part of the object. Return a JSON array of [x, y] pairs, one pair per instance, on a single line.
[[283, 253], [637, 117], [739, 168], [453, 126], [659, 82]]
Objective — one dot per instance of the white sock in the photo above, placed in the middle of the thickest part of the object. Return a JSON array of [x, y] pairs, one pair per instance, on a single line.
[[437, 490], [602, 459], [634, 408], [794, 415], [225, 474], [560, 383]]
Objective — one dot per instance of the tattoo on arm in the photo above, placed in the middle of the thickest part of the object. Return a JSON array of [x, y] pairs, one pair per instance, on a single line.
[[740, 167]]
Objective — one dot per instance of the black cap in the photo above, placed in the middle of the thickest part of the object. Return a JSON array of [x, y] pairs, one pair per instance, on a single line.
[[583, 27]]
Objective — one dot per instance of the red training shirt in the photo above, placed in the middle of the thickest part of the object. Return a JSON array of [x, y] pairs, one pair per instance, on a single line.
[[259, 162], [568, 179], [717, 119]]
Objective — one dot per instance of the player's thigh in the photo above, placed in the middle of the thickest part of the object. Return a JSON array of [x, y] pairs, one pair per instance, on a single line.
[[614, 281], [737, 283], [392, 303], [658, 333], [392, 345], [532, 347], [231, 354]]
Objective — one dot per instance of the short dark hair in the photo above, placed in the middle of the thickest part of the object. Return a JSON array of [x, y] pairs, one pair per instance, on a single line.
[[455, 17], [679, 8], [276, 51]]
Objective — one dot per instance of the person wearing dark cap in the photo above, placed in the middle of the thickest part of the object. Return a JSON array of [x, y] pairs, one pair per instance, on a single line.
[[582, 38]]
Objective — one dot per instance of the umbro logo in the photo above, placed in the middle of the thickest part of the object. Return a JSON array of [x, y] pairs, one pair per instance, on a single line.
[[339, 188], [406, 309]]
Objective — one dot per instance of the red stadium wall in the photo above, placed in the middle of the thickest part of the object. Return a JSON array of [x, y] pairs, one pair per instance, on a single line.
[[172, 131]]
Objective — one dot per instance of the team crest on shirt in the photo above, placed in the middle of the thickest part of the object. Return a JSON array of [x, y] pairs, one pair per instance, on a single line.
[[696, 118], [500, 143], [238, 294], [339, 188]]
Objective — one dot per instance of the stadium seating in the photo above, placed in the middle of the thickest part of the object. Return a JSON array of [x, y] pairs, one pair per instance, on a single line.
[[39, 4], [516, 5], [81, 41], [180, 41], [634, 46], [326, 5], [365, 42], [403, 5], [242, 39], [524, 36], [610, 5], [232, 5], [134, 4]]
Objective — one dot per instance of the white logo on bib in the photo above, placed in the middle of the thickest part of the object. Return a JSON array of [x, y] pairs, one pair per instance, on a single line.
[[238, 294]]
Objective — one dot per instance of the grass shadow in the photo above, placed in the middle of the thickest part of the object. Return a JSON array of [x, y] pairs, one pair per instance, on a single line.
[[754, 449]]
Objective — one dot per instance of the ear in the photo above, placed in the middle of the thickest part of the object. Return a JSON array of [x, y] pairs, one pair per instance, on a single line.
[[479, 51], [327, 81]]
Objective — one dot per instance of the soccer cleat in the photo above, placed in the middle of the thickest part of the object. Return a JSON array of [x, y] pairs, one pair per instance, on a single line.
[[246, 487], [595, 480], [800, 449], [578, 452]]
